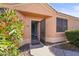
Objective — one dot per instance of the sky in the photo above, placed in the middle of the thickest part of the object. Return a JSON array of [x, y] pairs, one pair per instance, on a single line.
[[67, 8]]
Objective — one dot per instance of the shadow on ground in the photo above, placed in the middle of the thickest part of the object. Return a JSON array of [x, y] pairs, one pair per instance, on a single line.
[[60, 50], [24, 47], [36, 46], [25, 50], [56, 51]]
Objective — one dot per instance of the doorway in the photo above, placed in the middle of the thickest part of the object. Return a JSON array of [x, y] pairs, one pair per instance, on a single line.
[[34, 31]]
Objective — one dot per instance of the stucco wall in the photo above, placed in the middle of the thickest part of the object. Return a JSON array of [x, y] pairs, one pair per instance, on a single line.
[[52, 35], [38, 17], [27, 28], [73, 24], [37, 12]]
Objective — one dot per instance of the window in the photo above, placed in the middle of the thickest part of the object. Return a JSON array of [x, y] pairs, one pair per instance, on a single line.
[[61, 24]]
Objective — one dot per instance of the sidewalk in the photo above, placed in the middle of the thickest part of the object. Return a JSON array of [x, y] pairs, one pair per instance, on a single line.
[[41, 51], [38, 50]]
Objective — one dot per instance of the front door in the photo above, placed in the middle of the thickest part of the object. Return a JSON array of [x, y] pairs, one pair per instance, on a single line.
[[34, 31]]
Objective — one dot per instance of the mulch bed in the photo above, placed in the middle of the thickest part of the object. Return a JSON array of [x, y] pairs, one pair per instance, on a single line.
[[26, 53], [25, 50]]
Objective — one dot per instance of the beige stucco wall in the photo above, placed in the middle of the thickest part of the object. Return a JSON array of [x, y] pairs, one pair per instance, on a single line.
[[73, 24], [38, 17], [27, 23], [52, 35], [37, 12], [27, 28]]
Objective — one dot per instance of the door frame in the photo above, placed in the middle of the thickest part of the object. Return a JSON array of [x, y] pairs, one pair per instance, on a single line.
[[40, 38], [32, 32]]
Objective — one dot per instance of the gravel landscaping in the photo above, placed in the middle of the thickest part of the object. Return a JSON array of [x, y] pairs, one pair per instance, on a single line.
[[66, 49], [68, 46]]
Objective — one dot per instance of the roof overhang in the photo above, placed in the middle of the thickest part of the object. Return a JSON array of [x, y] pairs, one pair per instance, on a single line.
[[39, 8]]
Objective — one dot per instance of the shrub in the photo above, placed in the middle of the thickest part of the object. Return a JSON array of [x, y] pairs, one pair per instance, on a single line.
[[7, 48], [73, 36], [11, 33]]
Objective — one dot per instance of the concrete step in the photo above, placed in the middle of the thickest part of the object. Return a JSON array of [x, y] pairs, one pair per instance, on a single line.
[[36, 46], [43, 51]]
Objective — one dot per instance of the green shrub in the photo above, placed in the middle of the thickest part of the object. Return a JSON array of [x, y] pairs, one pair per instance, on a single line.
[[73, 36], [7, 48], [11, 33]]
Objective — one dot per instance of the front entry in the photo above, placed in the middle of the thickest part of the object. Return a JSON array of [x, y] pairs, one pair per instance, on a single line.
[[34, 31]]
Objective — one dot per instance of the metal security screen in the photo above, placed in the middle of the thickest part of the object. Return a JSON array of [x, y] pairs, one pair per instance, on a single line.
[[61, 24], [42, 31]]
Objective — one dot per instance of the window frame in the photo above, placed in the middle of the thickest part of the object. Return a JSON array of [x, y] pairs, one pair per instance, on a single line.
[[60, 26]]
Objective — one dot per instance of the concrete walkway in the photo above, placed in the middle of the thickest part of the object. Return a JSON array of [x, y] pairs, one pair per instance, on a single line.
[[38, 50], [43, 51]]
